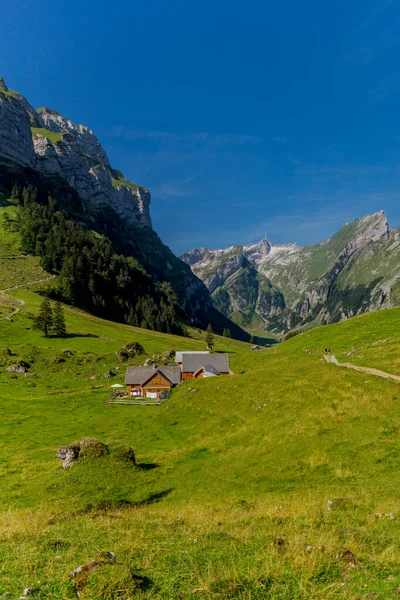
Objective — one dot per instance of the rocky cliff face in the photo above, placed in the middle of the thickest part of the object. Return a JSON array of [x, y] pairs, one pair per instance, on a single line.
[[357, 270], [47, 142], [43, 143]]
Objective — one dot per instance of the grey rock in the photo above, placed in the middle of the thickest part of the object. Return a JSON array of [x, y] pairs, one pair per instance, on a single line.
[[109, 374], [88, 447], [16, 369], [77, 156], [68, 454]]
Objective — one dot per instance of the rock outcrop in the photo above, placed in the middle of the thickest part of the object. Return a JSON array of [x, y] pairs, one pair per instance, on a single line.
[[86, 448], [47, 142]]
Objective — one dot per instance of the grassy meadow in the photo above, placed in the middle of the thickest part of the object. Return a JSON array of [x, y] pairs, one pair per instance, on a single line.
[[265, 484]]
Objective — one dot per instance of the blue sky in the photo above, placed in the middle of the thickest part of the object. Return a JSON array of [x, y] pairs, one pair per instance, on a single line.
[[239, 117]]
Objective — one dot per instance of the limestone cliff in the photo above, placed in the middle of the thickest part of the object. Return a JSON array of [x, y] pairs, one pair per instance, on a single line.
[[40, 146], [47, 142]]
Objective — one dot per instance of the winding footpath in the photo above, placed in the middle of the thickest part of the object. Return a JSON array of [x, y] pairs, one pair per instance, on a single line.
[[18, 300], [332, 359]]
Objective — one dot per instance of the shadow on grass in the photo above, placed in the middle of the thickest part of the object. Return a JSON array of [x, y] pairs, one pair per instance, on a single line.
[[105, 505], [147, 466], [71, 335]]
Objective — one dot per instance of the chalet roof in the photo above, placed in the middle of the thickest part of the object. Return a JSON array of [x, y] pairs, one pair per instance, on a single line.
[[178, 355], [139, 375], [208, 370], [193, 362], [171, 373]]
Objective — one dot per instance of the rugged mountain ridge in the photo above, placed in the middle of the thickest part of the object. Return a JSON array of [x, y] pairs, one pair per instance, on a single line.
[[52, 145], [285, 286], [40, 146]]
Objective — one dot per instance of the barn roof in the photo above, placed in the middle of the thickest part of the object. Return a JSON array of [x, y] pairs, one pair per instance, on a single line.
[[193, 362], [139, 375], [178, 355]]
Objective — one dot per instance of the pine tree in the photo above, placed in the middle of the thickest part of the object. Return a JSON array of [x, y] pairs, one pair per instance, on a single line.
[[210, 339], [44, 320], [15, 192], [25, 197], [59, 329], [252, 340]]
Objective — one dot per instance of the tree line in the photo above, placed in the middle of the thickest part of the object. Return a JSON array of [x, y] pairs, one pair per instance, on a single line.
[[91, 273]]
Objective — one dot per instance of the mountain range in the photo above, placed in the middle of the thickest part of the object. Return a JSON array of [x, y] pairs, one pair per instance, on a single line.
[[42, 150], [284, 287]]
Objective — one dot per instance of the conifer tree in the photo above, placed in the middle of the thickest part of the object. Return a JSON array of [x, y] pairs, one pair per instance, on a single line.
[[210, 339], [25, 197], [44, 320], [15, 192], [59, 329], [252, 340]]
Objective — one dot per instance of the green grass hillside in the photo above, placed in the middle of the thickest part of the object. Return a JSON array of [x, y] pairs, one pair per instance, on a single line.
[[264, 484]]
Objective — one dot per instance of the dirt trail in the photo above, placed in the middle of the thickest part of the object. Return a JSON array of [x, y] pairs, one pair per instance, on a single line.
[[20, 302], [370, 371]]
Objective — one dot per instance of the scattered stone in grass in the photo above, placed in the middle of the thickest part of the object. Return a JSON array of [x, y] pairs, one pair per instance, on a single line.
[[67, 352], [387, 515], [318, 548], [340, 504], [149, 362], [109, 374], [16, 369], [94, 376]]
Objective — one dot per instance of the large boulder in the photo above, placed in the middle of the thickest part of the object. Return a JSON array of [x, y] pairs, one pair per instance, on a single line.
[[129, 351], [86, 448]]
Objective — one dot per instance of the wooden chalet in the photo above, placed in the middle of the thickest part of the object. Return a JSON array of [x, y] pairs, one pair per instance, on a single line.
[[196, 365], [155, 382], [151, 382]]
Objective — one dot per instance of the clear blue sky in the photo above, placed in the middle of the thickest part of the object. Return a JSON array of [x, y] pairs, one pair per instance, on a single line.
[[239, 117]]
